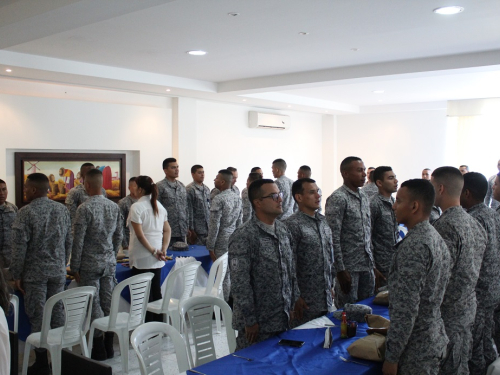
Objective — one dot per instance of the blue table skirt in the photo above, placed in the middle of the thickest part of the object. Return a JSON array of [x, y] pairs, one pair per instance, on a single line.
[[199, 252], [271, 358]]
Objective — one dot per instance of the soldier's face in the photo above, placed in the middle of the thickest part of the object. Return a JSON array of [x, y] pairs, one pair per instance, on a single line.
[[310, 198], [259, 171], [463, 170], [199, 176], [172, 170], [267, 204], [132, 187], [29, 190], [390, 182], [426, 174], [235, 177], [355, 174], [219, 181], [275, 171], [3, 193], [369, 172], [496, 189], [402, 206]]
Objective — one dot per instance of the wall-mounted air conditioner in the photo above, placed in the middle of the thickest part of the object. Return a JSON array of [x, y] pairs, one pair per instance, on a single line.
[[268, 121]]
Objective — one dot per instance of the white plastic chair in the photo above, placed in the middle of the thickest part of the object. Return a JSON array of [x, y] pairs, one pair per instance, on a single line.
[[170, 306], [14, 301], [147, 340], [123, 322], [199, 310], [77, 309], [214, 284]]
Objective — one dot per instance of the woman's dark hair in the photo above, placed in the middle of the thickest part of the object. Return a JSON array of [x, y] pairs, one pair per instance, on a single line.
[[4, 292], [149, 187]]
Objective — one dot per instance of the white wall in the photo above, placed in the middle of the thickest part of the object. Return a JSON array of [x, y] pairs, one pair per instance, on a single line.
[[143, 132], [406, 141]]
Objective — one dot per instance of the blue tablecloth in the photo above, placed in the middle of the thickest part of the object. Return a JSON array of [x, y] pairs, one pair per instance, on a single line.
[[271, 358], [199, 252]]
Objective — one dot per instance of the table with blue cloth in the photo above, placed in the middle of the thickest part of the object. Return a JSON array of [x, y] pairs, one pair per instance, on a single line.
[[199, 252], [271, 358]]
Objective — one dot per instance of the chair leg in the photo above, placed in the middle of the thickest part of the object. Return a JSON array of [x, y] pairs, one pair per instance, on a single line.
[[55, 357], [27, 350], [217, 318], [123, 340], [83, 347], [91, 339]]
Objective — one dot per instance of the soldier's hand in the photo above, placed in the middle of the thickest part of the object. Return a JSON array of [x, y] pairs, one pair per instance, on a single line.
[[300, 305], [378, 278], [390, 368], [19, 286], [77, 277], [344, 278], [251, 333], [212, 255]]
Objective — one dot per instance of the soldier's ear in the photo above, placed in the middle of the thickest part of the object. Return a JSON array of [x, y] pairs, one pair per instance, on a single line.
[[415, 207]]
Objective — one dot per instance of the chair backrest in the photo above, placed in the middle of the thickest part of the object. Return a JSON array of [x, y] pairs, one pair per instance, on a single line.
[[147, 341], [199, 310], [77, 364], [189, 272], [14, 301], [139, 286], [77, 309], [217, 275]]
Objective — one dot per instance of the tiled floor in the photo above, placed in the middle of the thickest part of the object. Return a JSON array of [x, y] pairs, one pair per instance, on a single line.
[[168, 357]]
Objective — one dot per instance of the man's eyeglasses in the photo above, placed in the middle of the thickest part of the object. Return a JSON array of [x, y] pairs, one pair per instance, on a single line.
[[274, 196]]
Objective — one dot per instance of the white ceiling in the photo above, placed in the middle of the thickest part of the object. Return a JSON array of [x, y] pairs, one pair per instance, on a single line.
[[403, 48]]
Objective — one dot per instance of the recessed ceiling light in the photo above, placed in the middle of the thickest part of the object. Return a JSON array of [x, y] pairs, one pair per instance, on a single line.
[[8, 70], [167, 90], [354, 49], [303, 33], [378, 91], [197, 53], [449, 10]]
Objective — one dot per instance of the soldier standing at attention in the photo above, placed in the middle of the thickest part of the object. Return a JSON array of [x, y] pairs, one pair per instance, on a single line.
[[348, 214], [125, 204], [466, 241], [247, 206], [488, 284], [225, 216], [8, 213], [234, 188], [305, 172], [490, 200], [41, 236], [385, 231], [173, 196], [97, 235], [313, 250], [371, 188], [198, 199], [416, 340], [284, 186], [264, 284]]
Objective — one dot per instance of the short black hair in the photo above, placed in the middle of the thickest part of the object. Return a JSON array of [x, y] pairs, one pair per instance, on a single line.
[[254, 190], [40, 180], [226, 174], [378, 173], [466, 166], [280, 164], [232, 169], [305, 168], [2, 182], [86, 165], [255, 169], [254, 176], [167, 161], [195, 167], [346, 163], [298, 186], [422, 191], [93, 172], [132, 179], [477, 184], [451, 178]]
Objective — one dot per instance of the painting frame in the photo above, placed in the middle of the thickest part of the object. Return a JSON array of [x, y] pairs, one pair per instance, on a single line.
[[65, 157]]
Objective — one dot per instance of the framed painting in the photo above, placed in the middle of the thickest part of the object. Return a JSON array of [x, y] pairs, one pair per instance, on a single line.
[[63, 171]]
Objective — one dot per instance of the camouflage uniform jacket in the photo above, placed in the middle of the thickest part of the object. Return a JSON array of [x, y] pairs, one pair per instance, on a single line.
[[488, 200], [466, 241], [41, 241], [246, 205], [216, 191], [76, 197], [173, 196], [417, 283], [198, 199], [370, 189], [313, 251], [225, 216], [435, 214], [8, 213], [488, 284], [348, 214], [385, 231], [263, 280], [285, 186], [97, 234], [125, 204]]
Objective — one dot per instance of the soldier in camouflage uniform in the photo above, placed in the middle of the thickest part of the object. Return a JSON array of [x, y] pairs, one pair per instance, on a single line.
[[234, 188], [247, 206], [488, 284], [435, 214], [125, 204], [466, 241], [225, 216], [348, 214], [78, 194], [416, 340], [8, 213], [97, 235], [313, 251], [490, 200], [41, 239], [305, 172], [198, 199], [173, 196], [285, 186], [264, 284], [385, 232], [371, 188]]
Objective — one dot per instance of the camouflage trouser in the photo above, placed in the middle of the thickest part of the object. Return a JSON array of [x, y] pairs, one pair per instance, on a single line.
[[409, 365], [242, 342], [226, 284], [104, 281], [362, 287], [496, 332], [201, 239], [37, 293], [483, 349]]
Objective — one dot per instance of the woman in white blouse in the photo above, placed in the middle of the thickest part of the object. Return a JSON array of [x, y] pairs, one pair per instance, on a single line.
[[149, 237], [4, 329]]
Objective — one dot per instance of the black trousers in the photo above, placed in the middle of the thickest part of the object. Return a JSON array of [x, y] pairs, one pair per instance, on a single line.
[[155, 293]]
